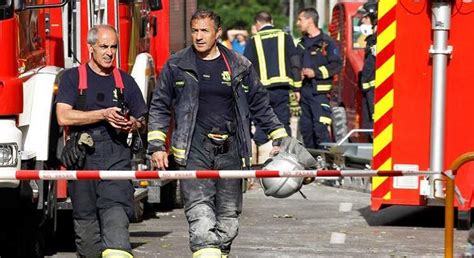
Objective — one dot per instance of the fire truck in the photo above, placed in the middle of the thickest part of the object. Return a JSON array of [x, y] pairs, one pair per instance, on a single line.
[[40, 39], [423, 98]]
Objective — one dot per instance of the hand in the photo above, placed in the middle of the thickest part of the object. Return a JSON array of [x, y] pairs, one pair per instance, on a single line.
[[298, 96], [308, 73], [159, 160], [275, 150], [115, 119]]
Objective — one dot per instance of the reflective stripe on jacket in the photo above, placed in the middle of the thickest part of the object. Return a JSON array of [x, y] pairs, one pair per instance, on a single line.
[[275, 58]]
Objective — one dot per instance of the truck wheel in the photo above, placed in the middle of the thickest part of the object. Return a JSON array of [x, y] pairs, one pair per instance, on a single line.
[[339, 123], [139, 208]]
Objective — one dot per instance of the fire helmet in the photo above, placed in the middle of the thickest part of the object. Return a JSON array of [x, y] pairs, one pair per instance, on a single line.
[[282, 187], [369, 9]]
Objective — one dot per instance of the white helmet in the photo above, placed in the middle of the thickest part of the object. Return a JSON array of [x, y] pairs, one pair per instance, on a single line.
[[282, 187]]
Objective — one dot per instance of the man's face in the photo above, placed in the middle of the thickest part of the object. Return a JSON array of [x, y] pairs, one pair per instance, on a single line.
[[204, 35], [365, 20], [303, 23], [104, 50]]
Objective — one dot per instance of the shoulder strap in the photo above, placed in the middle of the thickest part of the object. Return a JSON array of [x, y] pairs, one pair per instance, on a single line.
[[81, 99]]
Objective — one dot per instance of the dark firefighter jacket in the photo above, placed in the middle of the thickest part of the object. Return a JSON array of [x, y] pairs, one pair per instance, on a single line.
[[325, 60], [177, 91], [275, 57], [367, 76]]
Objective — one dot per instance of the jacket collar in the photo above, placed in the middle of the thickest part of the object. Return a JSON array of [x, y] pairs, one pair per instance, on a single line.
[[187, 60]]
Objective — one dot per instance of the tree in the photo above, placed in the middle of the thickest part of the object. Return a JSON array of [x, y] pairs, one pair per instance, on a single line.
[[235, 12]]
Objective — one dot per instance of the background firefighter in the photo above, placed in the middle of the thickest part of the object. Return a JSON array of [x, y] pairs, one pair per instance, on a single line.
[[320, 62], [102, 209], [277, 62], [368, 25], [213, 91]]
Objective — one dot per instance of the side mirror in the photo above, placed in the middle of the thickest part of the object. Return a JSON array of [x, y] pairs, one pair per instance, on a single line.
[[155, 5]]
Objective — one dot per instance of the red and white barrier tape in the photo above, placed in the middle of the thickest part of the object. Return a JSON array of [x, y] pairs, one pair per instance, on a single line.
[[190, 174]]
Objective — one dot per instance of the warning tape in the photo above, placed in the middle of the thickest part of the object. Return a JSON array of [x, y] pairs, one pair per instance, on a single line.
[[195, 174]]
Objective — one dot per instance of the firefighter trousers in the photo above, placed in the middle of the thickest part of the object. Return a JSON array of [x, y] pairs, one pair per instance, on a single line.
[[102, 209], [279, 97], [212, 206], [368, 109], [315, 118]]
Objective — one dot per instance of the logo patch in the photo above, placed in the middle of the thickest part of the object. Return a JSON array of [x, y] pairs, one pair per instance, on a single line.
[[226, 78]]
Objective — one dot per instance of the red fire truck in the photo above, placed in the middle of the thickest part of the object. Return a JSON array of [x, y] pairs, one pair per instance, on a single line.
[[41, 38], [422, 99]]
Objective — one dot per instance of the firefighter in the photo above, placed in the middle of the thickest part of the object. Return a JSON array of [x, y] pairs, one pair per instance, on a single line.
[[320, 61], [368, 24], [88, 101], [211, 90], [276, 60]]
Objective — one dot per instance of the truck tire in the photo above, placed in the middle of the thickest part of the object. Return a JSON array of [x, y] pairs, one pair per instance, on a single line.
[[339, 123], [464, 220]]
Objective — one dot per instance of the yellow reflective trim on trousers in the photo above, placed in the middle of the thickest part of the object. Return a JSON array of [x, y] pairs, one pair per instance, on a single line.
[[325, 120], [262, 63], [323, 87], [281, 54], [178, 153], [116, 253], [324, 71], [368, 85], [278, 133], [156, 135], [208, 253]]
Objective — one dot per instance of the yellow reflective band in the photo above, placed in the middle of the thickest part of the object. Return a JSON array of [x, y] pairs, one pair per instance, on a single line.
[[324, 71], [156, 135], [262, 64], [278, 133], [368, 85], [178, 153], [277, 80], [323, 87], [325, 120], [116, 253], [208, 253], [281, 54], [297, 84]]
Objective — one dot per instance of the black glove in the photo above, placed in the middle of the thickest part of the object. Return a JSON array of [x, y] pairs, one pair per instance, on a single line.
[[74, 152]]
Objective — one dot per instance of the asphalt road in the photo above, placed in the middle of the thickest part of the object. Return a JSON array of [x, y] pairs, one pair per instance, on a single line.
[[332, 222]]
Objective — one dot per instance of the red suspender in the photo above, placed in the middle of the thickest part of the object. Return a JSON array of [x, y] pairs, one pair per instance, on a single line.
[[83, 78]]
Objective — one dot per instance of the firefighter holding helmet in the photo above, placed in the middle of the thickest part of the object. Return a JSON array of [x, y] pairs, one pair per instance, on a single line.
[[213, 91]]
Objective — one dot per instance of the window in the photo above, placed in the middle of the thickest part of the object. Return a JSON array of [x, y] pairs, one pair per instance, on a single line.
[[358, 39]]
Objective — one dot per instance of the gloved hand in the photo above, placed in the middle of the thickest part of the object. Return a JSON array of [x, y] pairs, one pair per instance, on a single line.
[[74, 151], [295, 109]]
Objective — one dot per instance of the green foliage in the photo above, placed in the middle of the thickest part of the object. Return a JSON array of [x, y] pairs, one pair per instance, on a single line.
[[237, 11]]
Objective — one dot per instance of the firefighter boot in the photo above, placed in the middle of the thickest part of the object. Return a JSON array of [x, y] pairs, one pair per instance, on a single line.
[[208, 253]]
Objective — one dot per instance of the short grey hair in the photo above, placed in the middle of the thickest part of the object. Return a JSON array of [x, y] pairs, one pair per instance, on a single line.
[[92, 34], [312, 13]]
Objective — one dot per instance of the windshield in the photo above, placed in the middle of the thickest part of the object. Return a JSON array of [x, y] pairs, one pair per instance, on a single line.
[[358, 39]]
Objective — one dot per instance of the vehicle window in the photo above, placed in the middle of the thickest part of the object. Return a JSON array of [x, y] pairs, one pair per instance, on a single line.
[[5, 3], [358, 39]]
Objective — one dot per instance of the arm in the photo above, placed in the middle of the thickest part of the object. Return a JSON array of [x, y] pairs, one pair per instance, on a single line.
[[231, 34], [259, 105], [334, 65], [67, 116], [293, 56], [159, 118]]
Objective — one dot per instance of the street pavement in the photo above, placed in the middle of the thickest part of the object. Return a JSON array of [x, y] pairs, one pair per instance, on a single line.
[[331, 222]]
